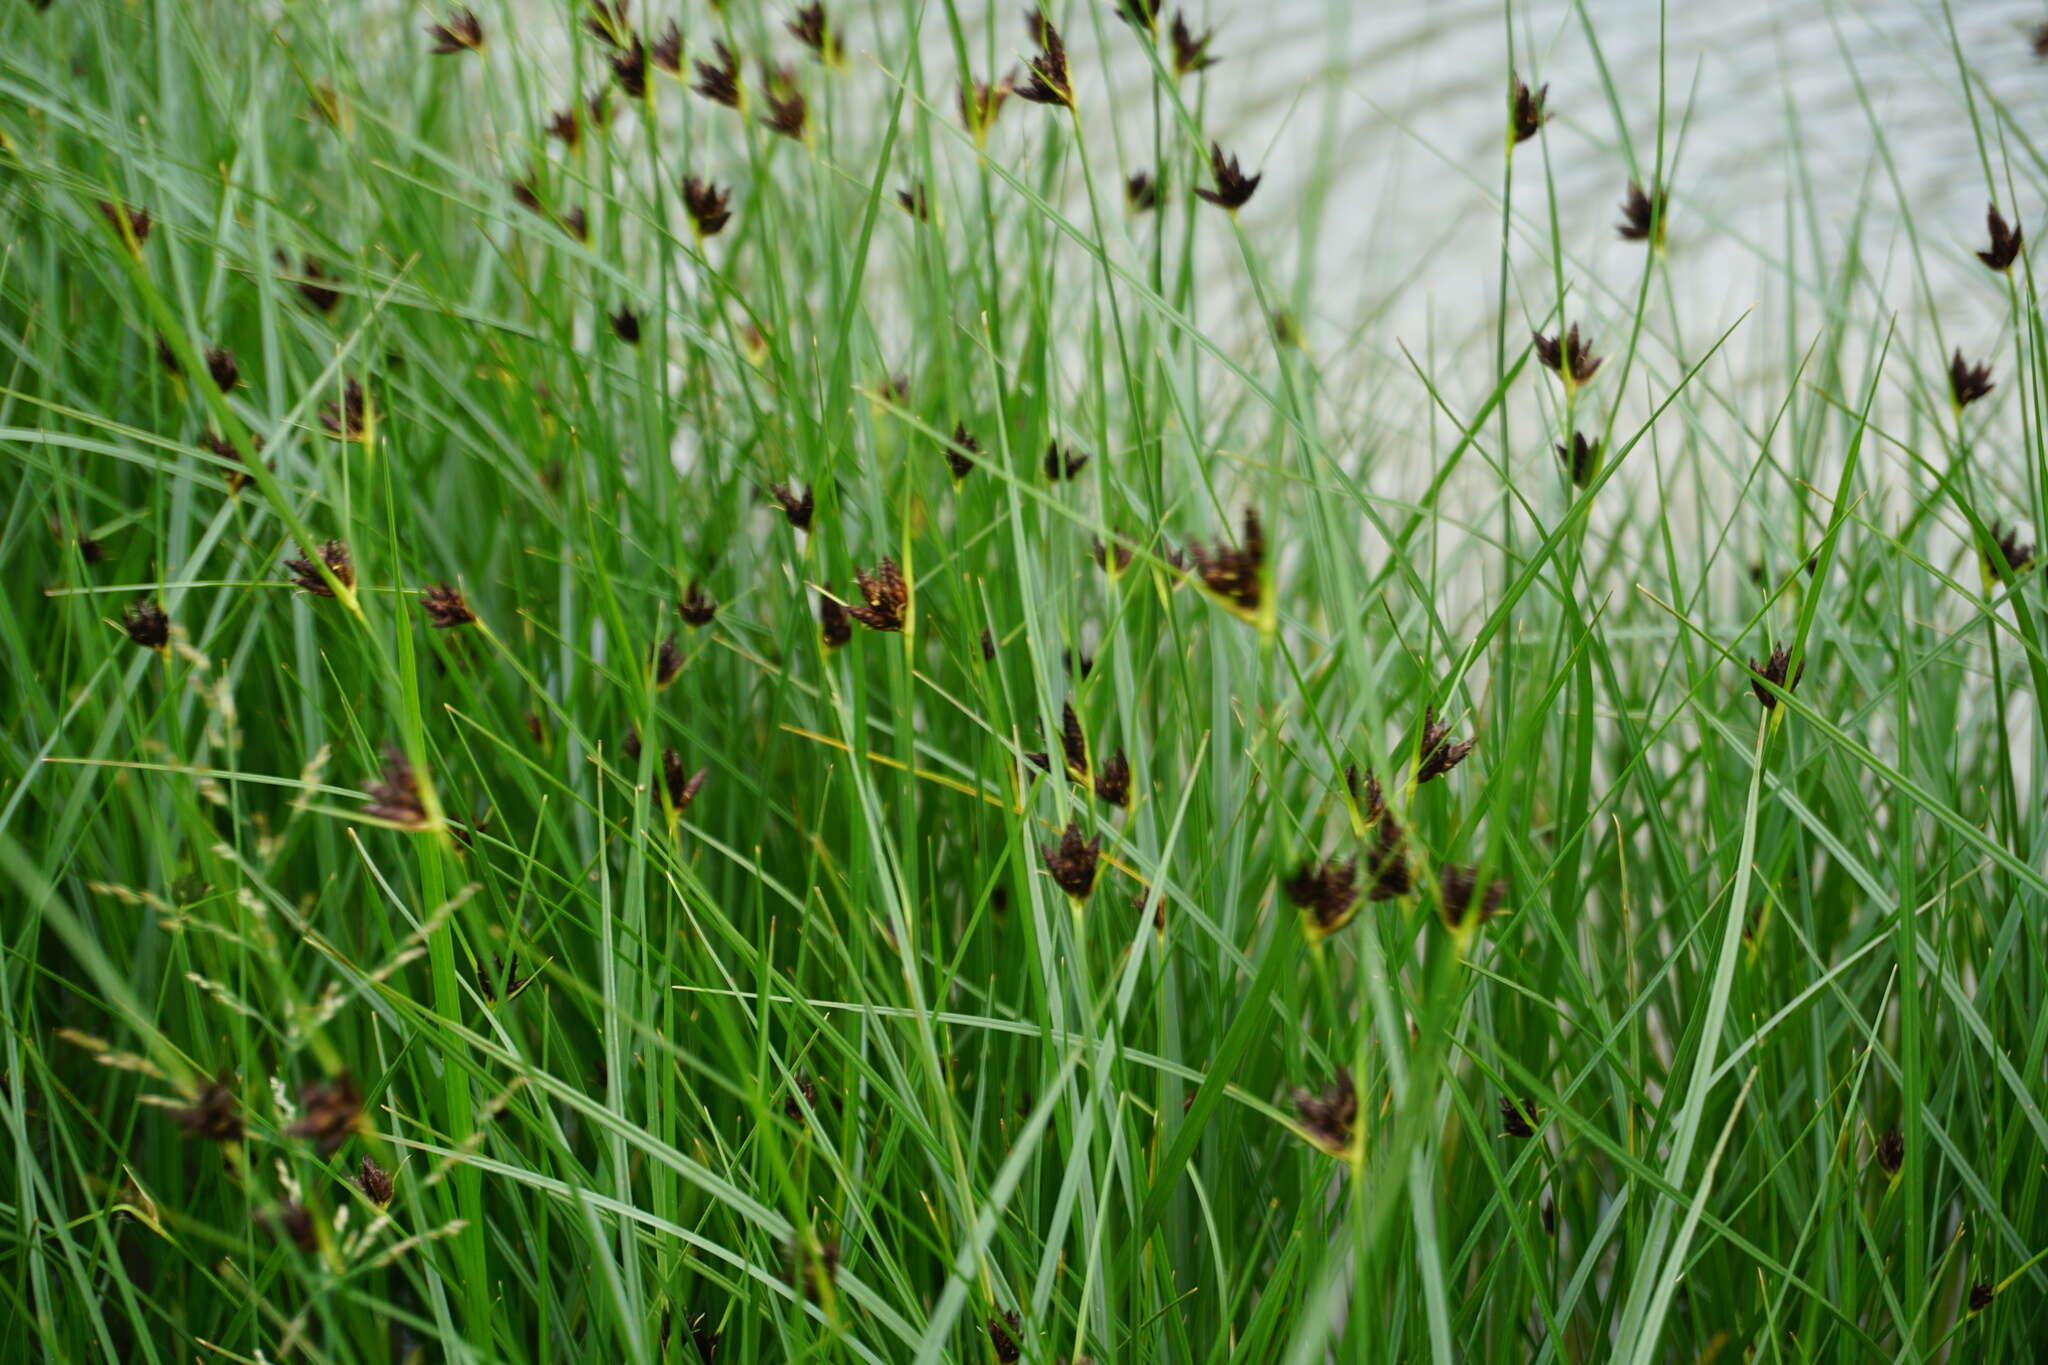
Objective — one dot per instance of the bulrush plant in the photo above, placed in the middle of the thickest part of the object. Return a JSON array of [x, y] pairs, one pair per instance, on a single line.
[[714, 442]]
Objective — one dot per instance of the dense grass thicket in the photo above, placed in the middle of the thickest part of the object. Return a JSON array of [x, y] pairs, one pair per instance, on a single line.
[[912, 683]]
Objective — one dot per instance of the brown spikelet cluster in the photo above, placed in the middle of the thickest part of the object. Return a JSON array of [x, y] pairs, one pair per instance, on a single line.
[[222, 368], [1003, 1332], [1326, 894], [835, 624], [1981, 1294], [445, 607], [697, 607], [291, 1222], [1111, 559], [707, 205], [1642, 215], [1072, 861], [215, 444], [788, 113], [2006, 240], [811, 28], [1190, 51], [1141, 192], [1966, 382], [1526, 115], [961, 452], [1890, 1152], [213, 1115], [500, 973], [2015, 555], [1436, 754], [1048, 81], [131, 224], [1330, 1120], [913, 200], [1139, 14], [395, 795], [313, 283], [459, 32], [1518, 1118], [1063, 462], [1569, 357], [629, 68], [1581, 459], [981, 103], [566, 127], [667, 662], [1233, 187], [679, 786], [813, 1264], [147, 624], [335, 556], [1113, 783], [609, 23], [1773, 671], [1465, 902], [1073, 744], [797, 507], [625, 325], [375, 1182], [886, 596], [667, 51], [348, 419], [1235, 576], [333, 1112]]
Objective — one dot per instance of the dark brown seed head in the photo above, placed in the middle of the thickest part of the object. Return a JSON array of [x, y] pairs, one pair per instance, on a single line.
[[703, 1337], [1081, 664], [961, 453], [788, 114], [886, 594], [667, 52], [348, 419], [1190, 53], [626, 325], [222, 369], [988, 646], [679, 785], [489, 979], [1772, 670], [1438, 755], [668, 662], [1582, 458], [1365, 793], [630, 745], [1966, 382], [1048, 82], [312, 283], [1568, 357], [1234, 574], [1518, 1119], [1642, 214], [1526, 115], [1063, 464], [131, 224], [1981, 1295], [1112, 559], [1326, 892], [814, 32], [914, 201], [2005, 241], [796, 507], [1465, 902], [292, 1223], [1072, 861], [214, 444], [1329, 1119], [1002, 1338], [708, 206], [91, 551], [566, 127], [445, 607], [167, 357], [577, 224], [333, 1111], [982, 102], [395, 795], [460, 32], [1233, 187], [1141, 192], [1113, 783], [375, 1182], [599, 107], [1391, 877], [697, 607], [802, 1101], [2040, 43], [609, 23], [1890, 1154], [1140, 14], [213, 1113], [2017, 556], [339, 563], [813, 1264], [1073, 744], [629, 68], [835, 626], [718, 80], [147, 624]]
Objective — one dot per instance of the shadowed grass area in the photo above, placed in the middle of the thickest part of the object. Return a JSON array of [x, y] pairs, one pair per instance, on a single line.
[[895, 684]]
